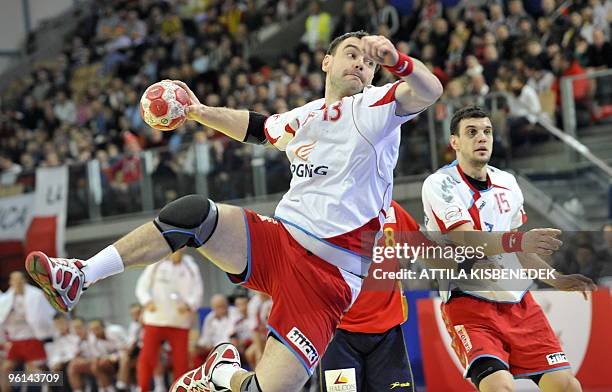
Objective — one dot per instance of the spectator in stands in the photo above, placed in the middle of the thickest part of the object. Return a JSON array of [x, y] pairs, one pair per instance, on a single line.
[[258, 309], [604, 249], [522, 114], [81, 365], [64, 108], [585, 261], [170, 292], [350, 20], [9, 171], [384, 14], [318, 27], [126, 174], [599, 53], [27, 320], [64, 347], [242, 332], [539, 78], [217, 327], [106, 344], [129, 355]]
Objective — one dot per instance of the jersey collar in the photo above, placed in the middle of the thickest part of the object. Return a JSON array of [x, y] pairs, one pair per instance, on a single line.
[[472, 188]]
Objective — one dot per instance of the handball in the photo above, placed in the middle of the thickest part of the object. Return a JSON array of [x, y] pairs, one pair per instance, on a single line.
[[163, 104]]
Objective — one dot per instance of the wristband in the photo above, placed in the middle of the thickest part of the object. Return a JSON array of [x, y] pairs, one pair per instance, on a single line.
[[512, 242], [403, 66]]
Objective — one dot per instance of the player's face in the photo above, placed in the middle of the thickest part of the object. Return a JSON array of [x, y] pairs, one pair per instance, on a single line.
[[347, 69], [474, 142]]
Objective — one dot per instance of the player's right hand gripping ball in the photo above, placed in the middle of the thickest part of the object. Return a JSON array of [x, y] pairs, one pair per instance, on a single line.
[[163, 104]]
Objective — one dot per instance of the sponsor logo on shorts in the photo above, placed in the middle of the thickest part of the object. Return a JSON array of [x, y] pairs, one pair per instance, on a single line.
[[398, 384], [341, 380], [304, 345], [452, 213], [556, 358], [465, 338]]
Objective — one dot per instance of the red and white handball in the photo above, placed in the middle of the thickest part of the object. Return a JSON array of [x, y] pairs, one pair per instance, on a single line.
[[163, 104]]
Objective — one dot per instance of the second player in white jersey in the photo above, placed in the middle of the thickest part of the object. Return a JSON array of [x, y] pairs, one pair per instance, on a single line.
[[450, 200]]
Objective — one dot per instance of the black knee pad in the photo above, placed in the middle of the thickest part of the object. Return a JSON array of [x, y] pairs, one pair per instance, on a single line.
[[250, 384], [188, 221], [484, 367]]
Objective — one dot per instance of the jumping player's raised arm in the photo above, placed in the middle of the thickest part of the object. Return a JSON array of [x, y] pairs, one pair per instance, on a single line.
[[240, 125], [421, 88]]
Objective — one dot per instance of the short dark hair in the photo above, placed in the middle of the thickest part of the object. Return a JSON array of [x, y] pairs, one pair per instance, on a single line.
[[465, 112], [338, 40]]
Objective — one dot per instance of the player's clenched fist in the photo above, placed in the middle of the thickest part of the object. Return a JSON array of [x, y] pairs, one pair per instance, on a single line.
[[541, 241], [380, 50]]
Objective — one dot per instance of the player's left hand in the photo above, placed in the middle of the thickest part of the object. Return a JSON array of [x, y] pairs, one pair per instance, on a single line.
[[380, 50], [574, 282]]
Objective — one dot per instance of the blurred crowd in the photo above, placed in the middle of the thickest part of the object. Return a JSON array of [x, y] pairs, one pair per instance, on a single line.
[[84, 104], [170, 332]]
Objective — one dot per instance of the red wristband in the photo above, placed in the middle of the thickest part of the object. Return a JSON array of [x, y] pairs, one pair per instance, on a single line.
[[403, 66], [512, 242]]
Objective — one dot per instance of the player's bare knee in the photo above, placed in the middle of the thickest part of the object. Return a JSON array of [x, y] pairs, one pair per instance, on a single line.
[[188, 221], [574, 385]]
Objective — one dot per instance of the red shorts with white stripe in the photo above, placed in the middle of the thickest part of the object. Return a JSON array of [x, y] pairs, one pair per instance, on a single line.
[[309, 295], [518, 335], [26, 351]]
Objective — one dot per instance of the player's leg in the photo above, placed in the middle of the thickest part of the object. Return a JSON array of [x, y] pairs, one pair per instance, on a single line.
[[537, 354], [191, 221], [343, 356], [559, 381], [476, 328], [490, 374], [277, 360], [498, 381], [387, 364]]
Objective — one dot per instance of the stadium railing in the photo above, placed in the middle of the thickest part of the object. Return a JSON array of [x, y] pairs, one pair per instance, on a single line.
[[583, 107]]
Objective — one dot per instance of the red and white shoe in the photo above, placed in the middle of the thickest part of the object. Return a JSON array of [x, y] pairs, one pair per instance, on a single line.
[[200, 378], [62, 280]]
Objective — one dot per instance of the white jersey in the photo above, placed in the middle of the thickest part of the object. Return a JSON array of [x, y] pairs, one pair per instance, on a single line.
[[449, 201], [342, 159]]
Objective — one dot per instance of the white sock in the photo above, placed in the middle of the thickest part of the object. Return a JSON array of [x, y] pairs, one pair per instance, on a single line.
[[222, 375], [121, 385], [110, 388], [105, 263], [158, 380]]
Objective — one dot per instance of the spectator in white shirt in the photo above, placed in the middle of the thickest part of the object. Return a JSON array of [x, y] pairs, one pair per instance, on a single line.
[[82, 363], [217, 327], [106, 343], [64, 347], [171, 292], [259, 310], [27, 320], [522, 118], [129, 355], [242, 334]]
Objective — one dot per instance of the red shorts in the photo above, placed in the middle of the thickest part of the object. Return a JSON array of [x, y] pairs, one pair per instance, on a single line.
[[26, 351], [519, 335], [309, 295]]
